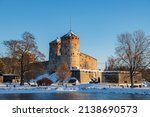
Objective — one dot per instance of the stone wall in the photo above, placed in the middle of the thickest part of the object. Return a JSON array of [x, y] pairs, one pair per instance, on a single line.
[[74, 52], [120, 77], [1, 79], [84, 76], [54, 54], [87, 62], [66, 49], [70, 50], [124, 78]]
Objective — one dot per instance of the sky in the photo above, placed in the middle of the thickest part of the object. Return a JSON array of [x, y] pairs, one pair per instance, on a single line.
[[96, 22]]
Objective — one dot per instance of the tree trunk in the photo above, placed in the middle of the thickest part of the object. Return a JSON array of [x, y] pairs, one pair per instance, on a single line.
[[131, 79], [22, 78]]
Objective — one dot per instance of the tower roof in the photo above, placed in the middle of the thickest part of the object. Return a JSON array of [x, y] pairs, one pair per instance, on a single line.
[[56, 40], [70, 33]]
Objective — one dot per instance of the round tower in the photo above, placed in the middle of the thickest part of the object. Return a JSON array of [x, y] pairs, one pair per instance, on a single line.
[[70, 50]]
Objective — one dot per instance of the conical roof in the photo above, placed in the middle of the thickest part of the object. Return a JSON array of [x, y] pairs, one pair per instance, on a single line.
[[70, 33]]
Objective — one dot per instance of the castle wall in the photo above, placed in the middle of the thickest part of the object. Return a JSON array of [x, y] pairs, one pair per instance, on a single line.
[[74, 52], [1, 79], [84, 76], [70, 50], [66, 49], [54, 55], [124, 78], [120, 77], [87, 62]]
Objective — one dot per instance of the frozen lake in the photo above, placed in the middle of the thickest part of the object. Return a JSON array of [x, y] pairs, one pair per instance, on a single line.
[[73, 96]]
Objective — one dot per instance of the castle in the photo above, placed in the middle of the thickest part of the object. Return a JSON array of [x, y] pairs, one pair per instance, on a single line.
[[67, 49]]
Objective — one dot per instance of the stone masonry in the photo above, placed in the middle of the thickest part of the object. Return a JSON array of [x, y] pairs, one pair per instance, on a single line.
[[66, 49]]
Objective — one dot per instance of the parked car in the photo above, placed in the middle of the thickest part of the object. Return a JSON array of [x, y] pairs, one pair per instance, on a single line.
[[134, 86], [93, 81], [72, 81]]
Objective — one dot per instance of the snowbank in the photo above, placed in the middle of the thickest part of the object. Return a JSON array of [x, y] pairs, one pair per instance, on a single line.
[[99, 88], [53, 77]]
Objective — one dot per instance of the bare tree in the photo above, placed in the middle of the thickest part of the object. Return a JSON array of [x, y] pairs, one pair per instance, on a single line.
[[146, 74], [133, 51], [1, 66], [35, 69], [11, 62], [25, 51], [63, 72], [10, 65], [111, 63]]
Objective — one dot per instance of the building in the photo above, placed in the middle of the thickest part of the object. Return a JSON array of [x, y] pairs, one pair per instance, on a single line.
[[9, 78], [1, 78], [120, 78], [67, 49]]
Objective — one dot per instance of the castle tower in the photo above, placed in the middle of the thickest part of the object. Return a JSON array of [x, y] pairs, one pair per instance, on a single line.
[[54, 54], [66, 49], [70, 50]]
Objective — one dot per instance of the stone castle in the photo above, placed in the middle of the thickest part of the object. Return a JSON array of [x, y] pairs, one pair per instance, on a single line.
[[67, 49]]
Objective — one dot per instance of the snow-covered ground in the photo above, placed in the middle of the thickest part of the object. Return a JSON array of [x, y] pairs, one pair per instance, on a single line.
[[53, 77], [100, 88]]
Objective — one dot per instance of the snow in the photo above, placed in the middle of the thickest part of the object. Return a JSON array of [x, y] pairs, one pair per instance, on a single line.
[[88, 70], [6, 88], [58, 39], [99, 88], [69, 33], [53, 77]]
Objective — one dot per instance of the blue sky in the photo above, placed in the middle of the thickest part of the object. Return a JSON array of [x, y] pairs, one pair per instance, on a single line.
[[96, 22]]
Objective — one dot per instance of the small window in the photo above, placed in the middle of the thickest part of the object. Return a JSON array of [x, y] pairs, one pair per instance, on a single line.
[[125, 81]]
